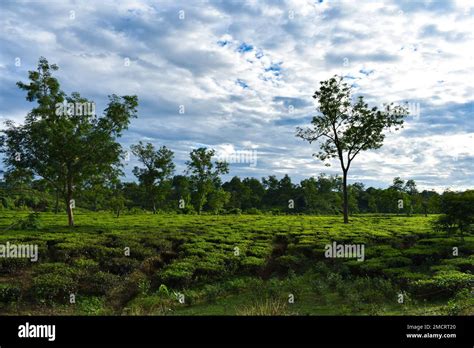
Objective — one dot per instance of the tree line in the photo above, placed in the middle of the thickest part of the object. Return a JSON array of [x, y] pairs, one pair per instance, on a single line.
[[65, 156]]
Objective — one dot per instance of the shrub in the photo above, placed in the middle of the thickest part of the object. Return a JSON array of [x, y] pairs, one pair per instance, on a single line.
[[13, 265], [97, 283], [235, 211], [178, 274], [252, 265], [397, 261], [52, 287], [253, 211], [55, 267], [31, 222], [9, 293], [462, 263], [150, 265], [287, 262], [90, 305], [443, 284], [210, 268], [127, 290], [461, 304], [120, 265], [373, 266], [86, 265]]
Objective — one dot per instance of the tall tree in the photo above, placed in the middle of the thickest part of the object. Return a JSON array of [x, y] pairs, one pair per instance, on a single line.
[[181, 192], [65, 144], [348, 127], [156, 176], [253, 193], [204, 174]]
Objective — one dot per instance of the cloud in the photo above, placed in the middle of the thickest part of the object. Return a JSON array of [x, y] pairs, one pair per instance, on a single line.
[[244, 73]]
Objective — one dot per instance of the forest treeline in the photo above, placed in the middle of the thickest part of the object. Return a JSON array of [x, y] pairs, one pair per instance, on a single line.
[[180, 193], [65, 156]]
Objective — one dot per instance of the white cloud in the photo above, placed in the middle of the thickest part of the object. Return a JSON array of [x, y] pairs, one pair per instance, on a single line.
[[396, 51]]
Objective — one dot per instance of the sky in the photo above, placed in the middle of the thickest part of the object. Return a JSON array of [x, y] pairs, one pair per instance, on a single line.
[[238, 77]]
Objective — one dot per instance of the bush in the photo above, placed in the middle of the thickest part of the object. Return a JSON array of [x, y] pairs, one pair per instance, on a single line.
[[235, 211], [287, 262], [150, 265], [9, 293], [86, 265], [13, 265], [461, 304], [443, 284], [97, 283], [31, 222], [252, 265], [178, 274], [48, 288], [253, 211], [120, 265], [127, 290], [55, 267]]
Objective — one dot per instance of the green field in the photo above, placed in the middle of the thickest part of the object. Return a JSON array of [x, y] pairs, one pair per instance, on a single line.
[[233, 264]]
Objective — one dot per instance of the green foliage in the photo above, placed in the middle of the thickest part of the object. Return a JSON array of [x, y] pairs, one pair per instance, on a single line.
[[178, 274], [442, 285], [61, 146], [9, 293], [268, 307], [155, 177], [458, 212], [348, 128], [204, 176], [32, 222], [120, 265], [253, 211], [52, 287], [13, 265], [195, 255]]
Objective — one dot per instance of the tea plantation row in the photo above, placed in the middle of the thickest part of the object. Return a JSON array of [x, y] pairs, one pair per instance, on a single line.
[[233, 264]]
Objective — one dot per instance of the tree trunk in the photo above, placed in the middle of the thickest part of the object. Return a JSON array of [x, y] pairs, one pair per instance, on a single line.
[[346, 201], [70, 214]]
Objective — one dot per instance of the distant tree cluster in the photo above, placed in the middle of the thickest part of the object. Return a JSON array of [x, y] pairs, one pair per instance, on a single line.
[[193, 194]]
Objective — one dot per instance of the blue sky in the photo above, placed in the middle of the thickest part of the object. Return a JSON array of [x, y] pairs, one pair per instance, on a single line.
[[238, 76]]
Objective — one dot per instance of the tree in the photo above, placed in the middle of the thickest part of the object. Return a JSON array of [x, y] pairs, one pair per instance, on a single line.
[[397, 184], [65, 144], [286, 192], [237, 190], [270, 184], [410, 187], [204, 174], [253, 193], [457, 210], [217, 199], [117, 200], [181, 192], [347, 127], [156, 176]]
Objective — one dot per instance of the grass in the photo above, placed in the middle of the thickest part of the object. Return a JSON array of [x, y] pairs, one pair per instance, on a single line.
[[233, 265]]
